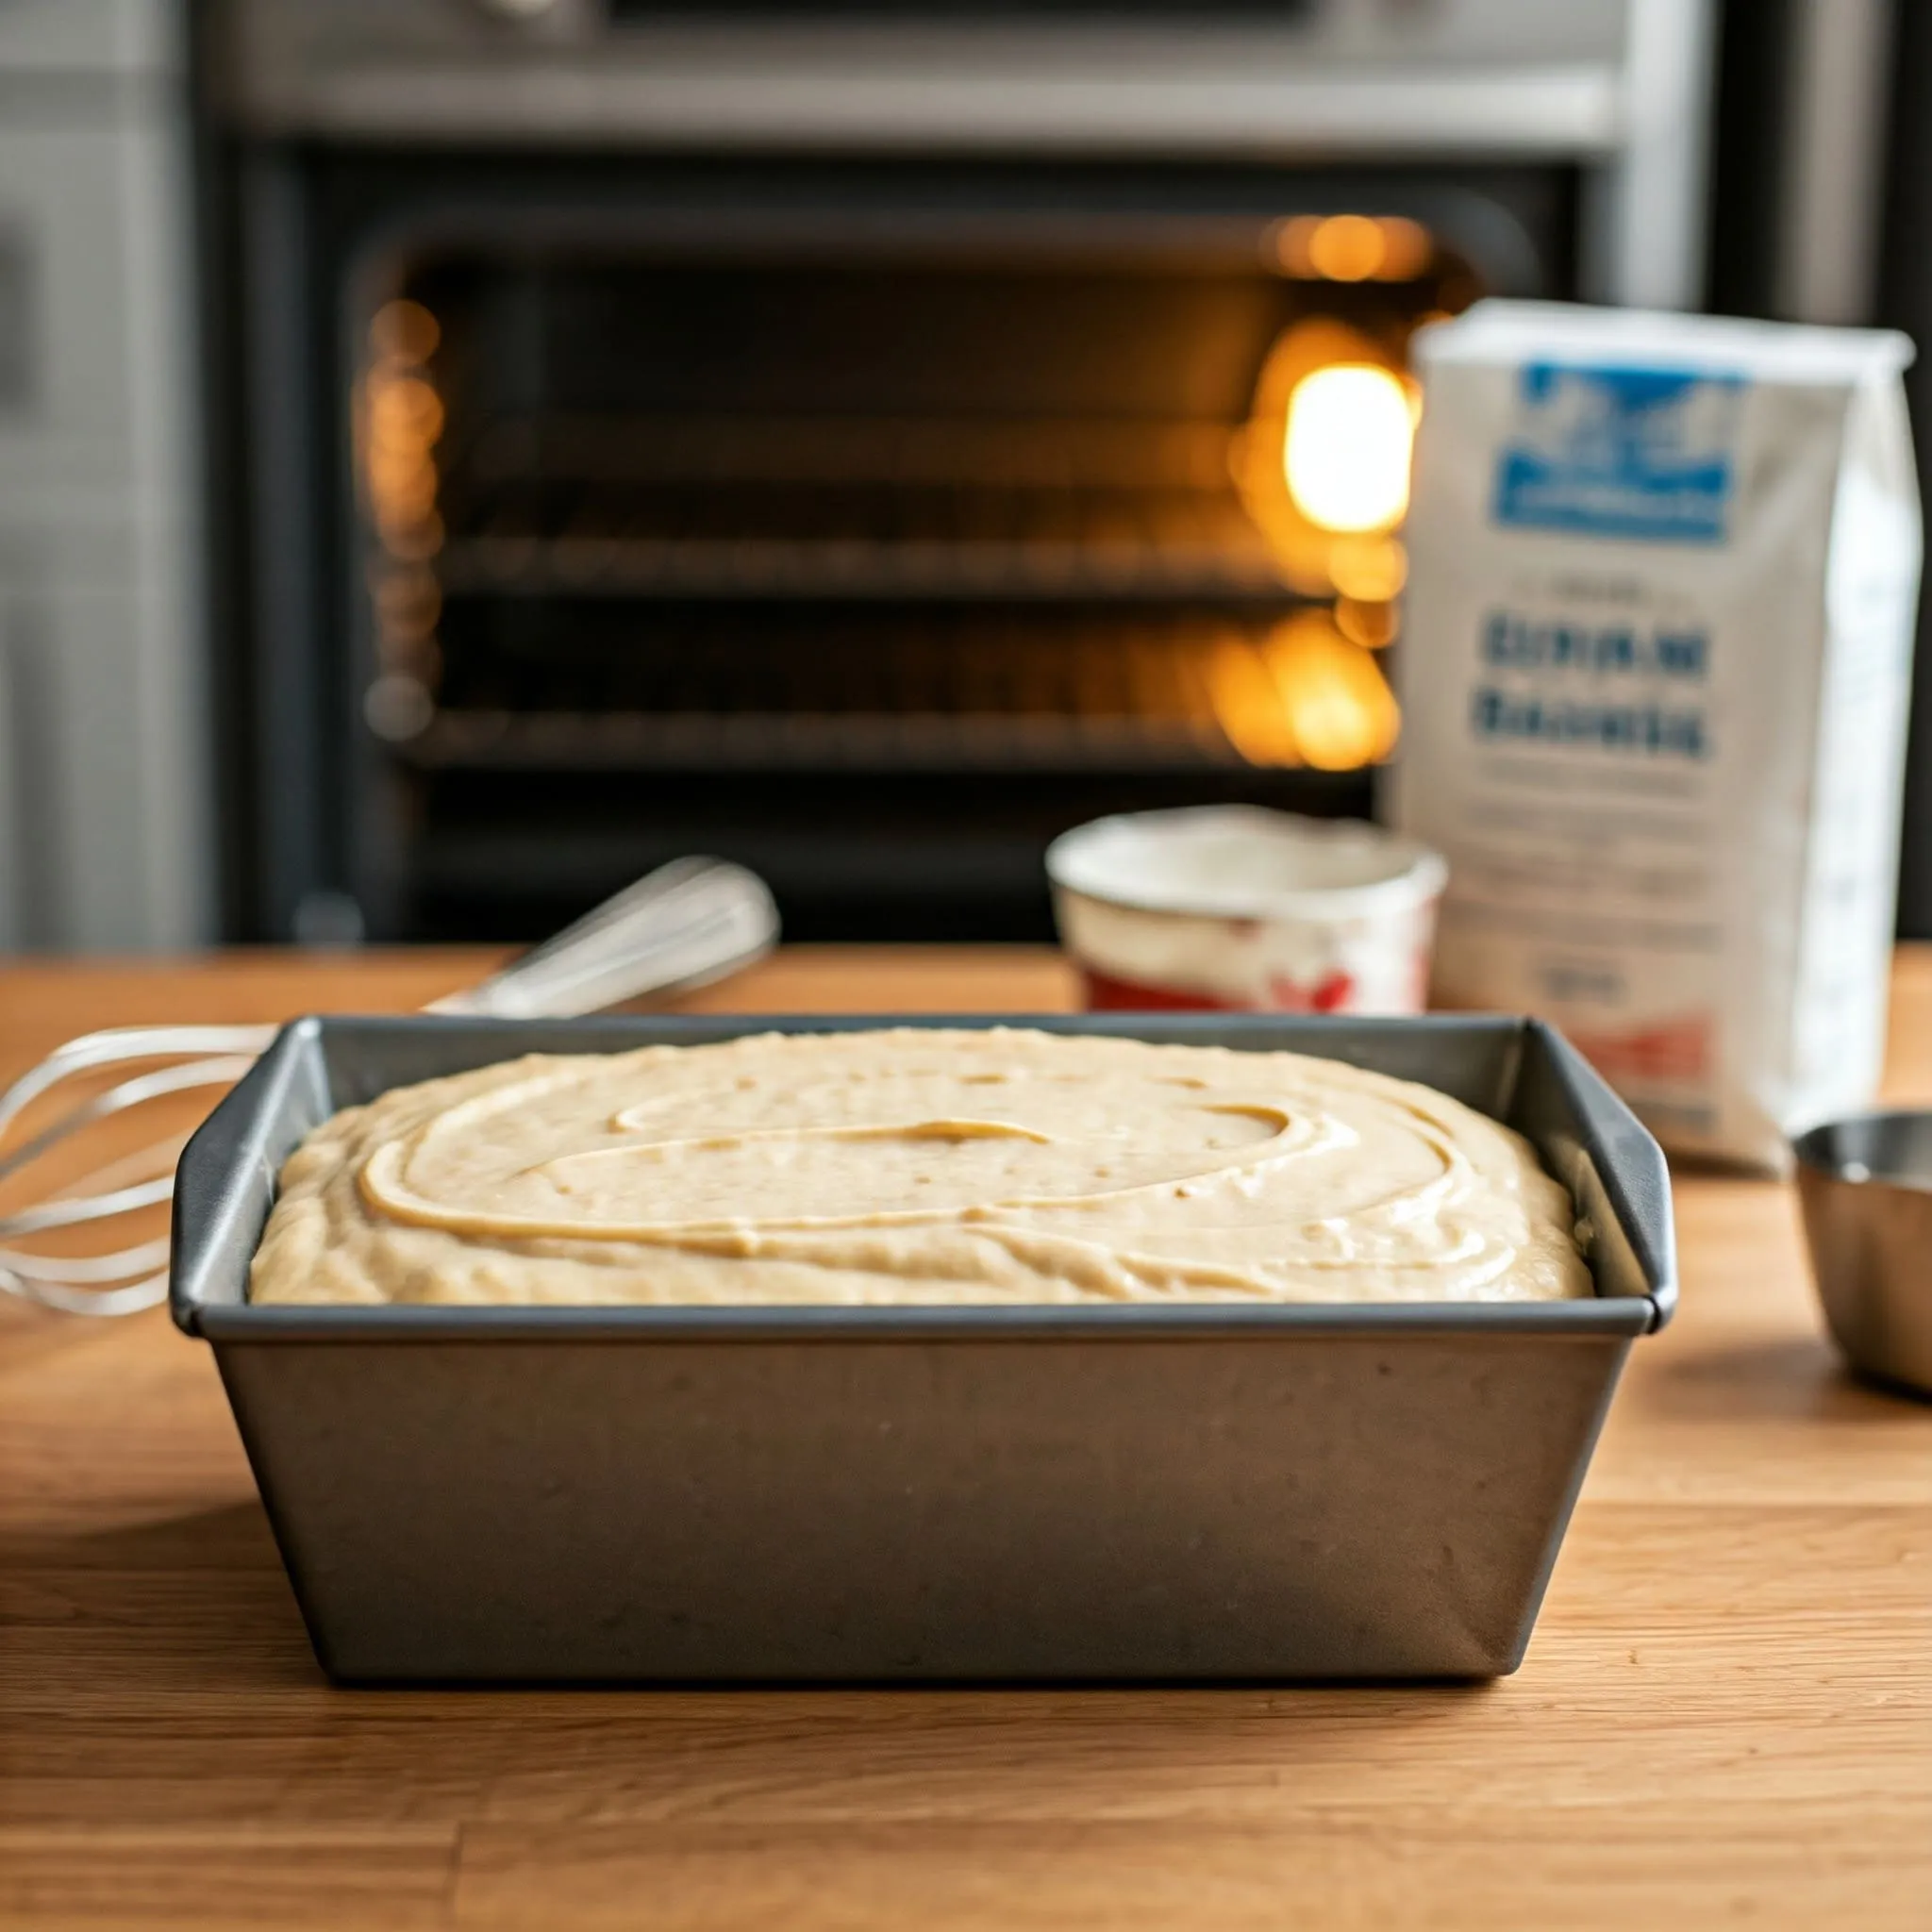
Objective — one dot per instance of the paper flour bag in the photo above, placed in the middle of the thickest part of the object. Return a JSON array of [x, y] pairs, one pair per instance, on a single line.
[[1653, 676]]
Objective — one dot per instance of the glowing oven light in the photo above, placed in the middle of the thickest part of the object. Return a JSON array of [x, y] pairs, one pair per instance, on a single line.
[[399, 421], [1350, 427]]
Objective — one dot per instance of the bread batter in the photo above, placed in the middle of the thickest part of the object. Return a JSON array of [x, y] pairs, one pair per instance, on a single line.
[[910, 1165]]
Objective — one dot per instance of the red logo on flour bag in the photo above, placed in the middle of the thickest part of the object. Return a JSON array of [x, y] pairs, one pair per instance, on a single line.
[[1673, 1050]]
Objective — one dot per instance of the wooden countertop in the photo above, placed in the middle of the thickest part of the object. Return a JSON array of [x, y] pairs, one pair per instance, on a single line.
[[1726, 1714]]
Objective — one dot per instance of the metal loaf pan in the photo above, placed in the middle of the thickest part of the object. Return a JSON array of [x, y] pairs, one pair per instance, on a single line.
[[680, 1494]]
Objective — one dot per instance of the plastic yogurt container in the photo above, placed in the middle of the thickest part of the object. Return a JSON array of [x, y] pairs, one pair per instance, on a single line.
[[1237, 908]]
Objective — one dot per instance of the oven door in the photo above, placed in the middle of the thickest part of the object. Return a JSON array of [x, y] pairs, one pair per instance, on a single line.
[[867, 524]]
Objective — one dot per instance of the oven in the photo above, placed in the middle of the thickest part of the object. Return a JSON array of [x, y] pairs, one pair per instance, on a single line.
[[858, 442]]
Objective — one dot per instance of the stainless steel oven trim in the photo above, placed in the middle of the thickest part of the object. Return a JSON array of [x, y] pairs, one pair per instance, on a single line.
[[1619, 86], [1341, 76], [691, 99]]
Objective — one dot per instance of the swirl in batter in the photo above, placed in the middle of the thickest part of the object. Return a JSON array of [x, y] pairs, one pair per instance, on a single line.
[[910, 1165]]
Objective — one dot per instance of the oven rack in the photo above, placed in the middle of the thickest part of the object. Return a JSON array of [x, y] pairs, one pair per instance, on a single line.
[[1124, 566], [506, 741], [842, 509], [871, 689], [898, 451]]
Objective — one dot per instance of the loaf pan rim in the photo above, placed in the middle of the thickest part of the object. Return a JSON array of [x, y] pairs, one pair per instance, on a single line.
[[211, 1167]]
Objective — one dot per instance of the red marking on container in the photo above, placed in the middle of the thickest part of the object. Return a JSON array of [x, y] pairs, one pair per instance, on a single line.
[[1331, 993], [1107, 994]]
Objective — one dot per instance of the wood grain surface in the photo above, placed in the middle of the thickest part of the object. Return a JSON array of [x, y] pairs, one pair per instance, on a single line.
[[1726, 1715]]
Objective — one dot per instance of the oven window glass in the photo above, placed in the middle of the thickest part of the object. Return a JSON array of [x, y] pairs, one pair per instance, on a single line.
[[819, 534]]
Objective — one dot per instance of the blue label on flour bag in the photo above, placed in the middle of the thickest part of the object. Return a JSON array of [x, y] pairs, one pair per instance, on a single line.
[[1644, 454]]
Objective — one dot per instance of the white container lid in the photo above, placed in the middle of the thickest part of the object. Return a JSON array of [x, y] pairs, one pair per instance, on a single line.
[[1244, 862]]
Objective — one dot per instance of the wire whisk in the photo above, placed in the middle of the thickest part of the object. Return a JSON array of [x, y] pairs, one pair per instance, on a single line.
[[683, 926]]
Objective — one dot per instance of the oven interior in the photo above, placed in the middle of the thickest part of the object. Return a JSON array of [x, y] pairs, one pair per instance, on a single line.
[[873, 532]]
